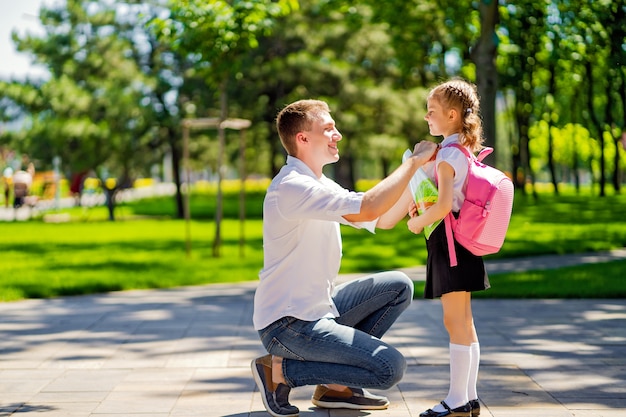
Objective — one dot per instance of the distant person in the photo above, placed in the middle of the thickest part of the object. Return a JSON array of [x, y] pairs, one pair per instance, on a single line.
[[22, 181], [7, 180], [453, 113], [76, 186], [318, 333]]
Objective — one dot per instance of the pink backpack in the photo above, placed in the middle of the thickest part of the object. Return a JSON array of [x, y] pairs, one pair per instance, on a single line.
[[485, 214]]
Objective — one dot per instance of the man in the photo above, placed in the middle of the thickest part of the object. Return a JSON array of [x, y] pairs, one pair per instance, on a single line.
[[22, 180], [316, 333]]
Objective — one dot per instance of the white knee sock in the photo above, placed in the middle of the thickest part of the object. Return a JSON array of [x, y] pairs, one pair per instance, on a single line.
[[459, 374], [472, 394]]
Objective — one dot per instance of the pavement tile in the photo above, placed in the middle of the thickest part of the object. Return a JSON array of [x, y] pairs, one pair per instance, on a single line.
[[69, 397], [186, 352], [138, 402]]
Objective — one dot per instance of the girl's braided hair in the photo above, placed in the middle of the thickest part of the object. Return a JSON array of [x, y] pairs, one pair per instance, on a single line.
[[463, 97]]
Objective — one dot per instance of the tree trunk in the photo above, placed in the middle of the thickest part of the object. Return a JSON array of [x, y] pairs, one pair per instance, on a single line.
[[344, 171], [172, 139], [551, 167], [549, 109], [217, 242], [386, 165], [575, 161], [519, 176], [484, 57], [617, 172], [596, 123], [617, 33], [575, 168], [608, 122]]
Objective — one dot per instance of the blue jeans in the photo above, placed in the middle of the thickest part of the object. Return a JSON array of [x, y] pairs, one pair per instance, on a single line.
[[346, 350]]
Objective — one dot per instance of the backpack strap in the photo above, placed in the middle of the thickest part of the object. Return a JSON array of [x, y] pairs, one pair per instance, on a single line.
[[481, 155], [449, 219]]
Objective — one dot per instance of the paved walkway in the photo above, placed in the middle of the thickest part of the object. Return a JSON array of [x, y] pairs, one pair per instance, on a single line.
[[186, 352]]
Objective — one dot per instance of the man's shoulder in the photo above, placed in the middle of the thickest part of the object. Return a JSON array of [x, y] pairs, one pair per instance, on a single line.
[[290, 175]]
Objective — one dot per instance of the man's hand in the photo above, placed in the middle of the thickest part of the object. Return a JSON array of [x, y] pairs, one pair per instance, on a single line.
[[425, 151]]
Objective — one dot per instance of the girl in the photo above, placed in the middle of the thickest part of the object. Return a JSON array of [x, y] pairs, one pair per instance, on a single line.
[[453, 112]]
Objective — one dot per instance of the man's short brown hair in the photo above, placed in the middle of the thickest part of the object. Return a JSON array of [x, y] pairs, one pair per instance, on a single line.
[[295, 118]]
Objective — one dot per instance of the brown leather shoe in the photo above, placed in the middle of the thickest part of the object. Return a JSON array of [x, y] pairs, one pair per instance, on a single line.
[[352, 398], [275, 397]]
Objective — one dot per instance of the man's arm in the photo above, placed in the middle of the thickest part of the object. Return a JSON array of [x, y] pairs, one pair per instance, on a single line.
[[382, 197]]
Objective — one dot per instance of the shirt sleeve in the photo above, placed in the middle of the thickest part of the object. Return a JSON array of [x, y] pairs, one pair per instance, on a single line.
[[369, 226], [304, 198], [455, 158]]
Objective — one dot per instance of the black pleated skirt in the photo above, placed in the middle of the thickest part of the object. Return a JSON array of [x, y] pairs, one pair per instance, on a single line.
[[469, 274]]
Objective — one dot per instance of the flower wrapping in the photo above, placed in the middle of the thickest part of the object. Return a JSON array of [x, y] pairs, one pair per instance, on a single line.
[[424, 192]]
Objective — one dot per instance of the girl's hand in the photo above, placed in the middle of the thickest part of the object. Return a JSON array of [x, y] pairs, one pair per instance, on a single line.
[[413, 226], [412, 209]]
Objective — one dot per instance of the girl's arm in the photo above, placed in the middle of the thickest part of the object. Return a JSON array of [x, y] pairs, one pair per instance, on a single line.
[[397, 212], [443, 206]]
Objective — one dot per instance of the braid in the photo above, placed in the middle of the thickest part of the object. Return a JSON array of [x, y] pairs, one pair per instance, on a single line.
[[462, 96]]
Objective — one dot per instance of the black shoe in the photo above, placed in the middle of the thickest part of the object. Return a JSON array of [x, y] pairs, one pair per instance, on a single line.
[[276, 401], [353, 398], [462, 411], [475, 407]]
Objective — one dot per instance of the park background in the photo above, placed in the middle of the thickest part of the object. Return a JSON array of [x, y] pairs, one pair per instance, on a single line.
[[164, 111]]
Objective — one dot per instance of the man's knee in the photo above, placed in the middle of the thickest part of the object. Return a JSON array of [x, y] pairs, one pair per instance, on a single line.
[[393, 370], [405, 287]]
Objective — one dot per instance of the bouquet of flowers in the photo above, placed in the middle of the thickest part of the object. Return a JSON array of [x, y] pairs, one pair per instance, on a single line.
[[425, 193]]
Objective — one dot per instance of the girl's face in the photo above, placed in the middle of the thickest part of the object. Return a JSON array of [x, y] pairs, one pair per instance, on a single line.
[[440, 122]]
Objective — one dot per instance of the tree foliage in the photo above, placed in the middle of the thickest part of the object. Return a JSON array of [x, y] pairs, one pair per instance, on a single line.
[[123, 75]]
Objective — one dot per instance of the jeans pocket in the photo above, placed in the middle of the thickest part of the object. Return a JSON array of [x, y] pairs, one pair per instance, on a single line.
[[278, 349]]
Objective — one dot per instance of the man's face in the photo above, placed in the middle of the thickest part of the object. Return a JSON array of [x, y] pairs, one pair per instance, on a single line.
[[323, 138]]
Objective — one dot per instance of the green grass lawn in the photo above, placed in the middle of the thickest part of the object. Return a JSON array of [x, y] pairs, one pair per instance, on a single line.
[[47, 260], [602, 280], [145, 248]]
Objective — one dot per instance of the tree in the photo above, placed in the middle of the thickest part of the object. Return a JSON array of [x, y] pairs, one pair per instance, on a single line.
[[215, 35], [89, 111], [484, 56], [524, 24], [612, 19]]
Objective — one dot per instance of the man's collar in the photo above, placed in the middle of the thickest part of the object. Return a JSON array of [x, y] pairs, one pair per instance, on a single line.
[[302, 167]]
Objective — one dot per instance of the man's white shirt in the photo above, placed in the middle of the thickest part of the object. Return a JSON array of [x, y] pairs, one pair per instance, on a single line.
[[302, 244]]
